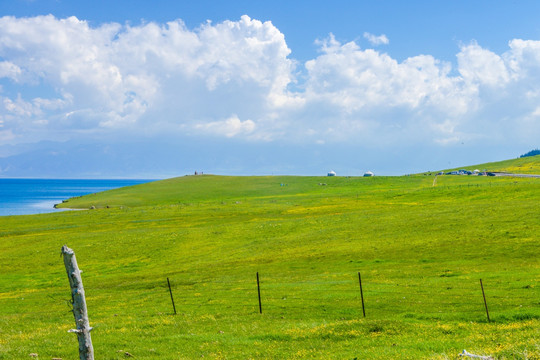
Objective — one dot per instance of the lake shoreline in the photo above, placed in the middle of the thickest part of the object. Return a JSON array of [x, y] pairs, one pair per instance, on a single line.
[[39, 196]]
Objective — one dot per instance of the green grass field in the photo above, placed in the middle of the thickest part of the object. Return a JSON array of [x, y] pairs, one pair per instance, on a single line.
[[420, 245]]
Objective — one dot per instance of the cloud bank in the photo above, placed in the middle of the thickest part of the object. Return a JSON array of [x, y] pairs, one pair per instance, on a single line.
[[62, 79]]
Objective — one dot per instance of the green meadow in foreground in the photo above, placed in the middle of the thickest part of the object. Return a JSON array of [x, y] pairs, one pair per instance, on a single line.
[[421, 244]]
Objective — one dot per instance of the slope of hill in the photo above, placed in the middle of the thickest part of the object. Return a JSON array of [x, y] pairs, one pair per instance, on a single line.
[[523, 165], [421, 248], [202, 188]]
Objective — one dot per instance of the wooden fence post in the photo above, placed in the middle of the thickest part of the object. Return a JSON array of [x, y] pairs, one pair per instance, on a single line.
[[172, 299], [485, 302], [361, 294], [259, 292], [86, 350]]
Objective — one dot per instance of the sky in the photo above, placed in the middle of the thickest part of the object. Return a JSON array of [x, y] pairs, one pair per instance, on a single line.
[[140, 89]]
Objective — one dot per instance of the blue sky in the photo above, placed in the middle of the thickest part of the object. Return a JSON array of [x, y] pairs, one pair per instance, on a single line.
[[164, 88]]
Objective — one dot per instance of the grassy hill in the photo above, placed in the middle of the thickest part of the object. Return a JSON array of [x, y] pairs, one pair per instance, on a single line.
[[421, 247], [525, 165]]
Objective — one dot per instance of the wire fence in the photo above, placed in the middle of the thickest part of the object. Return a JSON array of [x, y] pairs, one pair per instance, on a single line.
[[448, 298], [375, 299]]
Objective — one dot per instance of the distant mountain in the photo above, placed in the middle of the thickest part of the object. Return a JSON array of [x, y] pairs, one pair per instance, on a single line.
[[142, 158]]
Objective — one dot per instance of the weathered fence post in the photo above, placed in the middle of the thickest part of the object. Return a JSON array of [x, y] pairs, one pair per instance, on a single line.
[[86, 351]]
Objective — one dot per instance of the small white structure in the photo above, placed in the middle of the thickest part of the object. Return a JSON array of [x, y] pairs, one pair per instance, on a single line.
[[368, 174], [332, 173]]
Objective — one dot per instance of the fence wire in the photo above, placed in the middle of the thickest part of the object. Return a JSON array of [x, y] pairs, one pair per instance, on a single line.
[[455, 299]]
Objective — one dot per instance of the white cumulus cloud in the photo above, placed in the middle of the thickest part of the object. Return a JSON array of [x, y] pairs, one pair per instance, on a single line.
[[481, 66], [352, 78], [376, 39], [60, 77], [230, 127], [114, 76], [9, 70]]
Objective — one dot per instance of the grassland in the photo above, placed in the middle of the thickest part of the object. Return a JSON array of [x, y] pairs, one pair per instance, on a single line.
[[421, 247]]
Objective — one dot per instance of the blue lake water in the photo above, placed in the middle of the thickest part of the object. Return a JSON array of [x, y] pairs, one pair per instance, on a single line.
[[35, 196]]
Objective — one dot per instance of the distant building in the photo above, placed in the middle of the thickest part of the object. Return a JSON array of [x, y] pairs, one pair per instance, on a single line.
[[368, 174], [332, 173]]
